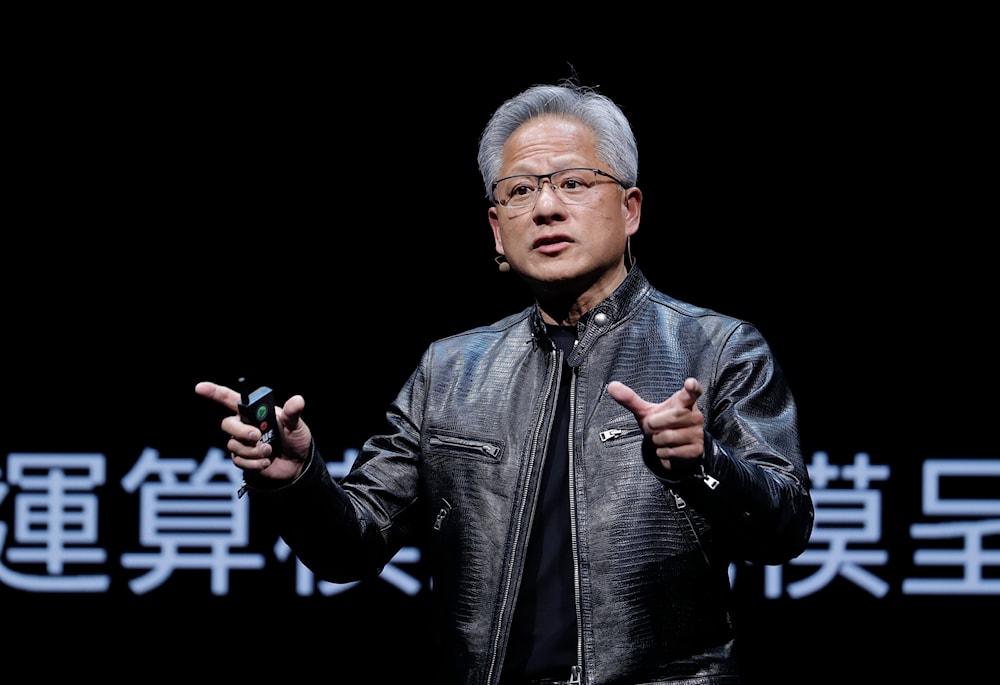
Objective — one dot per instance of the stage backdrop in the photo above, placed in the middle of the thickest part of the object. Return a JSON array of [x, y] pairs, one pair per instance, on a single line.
[[187, 219]]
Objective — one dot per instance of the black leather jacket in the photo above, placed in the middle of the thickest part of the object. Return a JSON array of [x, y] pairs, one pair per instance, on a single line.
[[459, 464]]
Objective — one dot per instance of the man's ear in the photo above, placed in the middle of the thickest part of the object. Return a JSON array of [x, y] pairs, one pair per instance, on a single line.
[[494, 220], [632, 209]]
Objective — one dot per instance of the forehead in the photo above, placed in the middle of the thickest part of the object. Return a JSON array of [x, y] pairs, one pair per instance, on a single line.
[[550, 140]]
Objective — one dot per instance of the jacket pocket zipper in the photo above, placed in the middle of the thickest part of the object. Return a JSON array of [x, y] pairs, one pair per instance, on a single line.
[[485, 448]]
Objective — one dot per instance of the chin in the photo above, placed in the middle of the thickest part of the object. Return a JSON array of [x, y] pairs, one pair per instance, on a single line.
[[557, 280]]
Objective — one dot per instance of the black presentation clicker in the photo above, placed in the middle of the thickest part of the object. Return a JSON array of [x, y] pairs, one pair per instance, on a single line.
[[257, 409]]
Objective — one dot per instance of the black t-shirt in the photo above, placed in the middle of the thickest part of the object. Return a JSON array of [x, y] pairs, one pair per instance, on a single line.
[[543, 640]]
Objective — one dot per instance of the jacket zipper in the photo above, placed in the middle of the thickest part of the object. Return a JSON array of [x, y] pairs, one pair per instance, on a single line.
[[618, 433], [472, 445], [543, 418], [576, 673]]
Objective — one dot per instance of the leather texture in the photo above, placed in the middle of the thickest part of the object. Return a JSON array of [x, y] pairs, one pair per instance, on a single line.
[[457, 471]]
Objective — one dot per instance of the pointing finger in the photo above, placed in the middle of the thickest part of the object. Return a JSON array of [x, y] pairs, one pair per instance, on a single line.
[[219, 393], [627, 397]]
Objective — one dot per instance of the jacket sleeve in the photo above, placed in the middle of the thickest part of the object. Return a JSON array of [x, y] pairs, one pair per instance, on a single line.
[[752, 483], [349, 530]]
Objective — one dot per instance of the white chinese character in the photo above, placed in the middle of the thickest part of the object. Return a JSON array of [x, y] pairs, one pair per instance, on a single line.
[[194, 522], [844, 516], [975, 536], [55, 521]]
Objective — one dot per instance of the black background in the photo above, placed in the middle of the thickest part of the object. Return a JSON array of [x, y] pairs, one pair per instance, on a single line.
[[194, 200]]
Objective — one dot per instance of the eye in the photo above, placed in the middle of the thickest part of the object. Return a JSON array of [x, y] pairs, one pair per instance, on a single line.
[[573, 181], [522, 188]]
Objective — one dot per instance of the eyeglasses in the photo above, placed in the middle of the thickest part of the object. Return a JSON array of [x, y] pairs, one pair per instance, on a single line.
[[572, 186]]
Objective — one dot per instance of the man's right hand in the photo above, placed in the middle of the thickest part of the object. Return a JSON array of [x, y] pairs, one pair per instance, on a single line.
[[246, 453]]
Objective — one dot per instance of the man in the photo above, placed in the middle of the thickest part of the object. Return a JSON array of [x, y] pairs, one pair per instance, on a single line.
[[582, 473]]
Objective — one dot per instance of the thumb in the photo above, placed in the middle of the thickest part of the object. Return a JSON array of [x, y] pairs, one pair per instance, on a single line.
[[690, 393], [628, 398], [291, 412]]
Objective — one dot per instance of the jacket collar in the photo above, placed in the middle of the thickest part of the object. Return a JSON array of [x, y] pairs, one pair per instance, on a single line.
[[600, 319]]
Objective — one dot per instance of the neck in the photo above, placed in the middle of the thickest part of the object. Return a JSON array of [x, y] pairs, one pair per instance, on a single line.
[[564, 308]]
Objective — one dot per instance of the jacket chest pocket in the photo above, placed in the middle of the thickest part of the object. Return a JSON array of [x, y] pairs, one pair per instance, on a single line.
[[442, 445]]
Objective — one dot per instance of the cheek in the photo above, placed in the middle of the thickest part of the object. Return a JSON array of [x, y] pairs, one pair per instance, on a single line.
[[508, 240], [609, 218]]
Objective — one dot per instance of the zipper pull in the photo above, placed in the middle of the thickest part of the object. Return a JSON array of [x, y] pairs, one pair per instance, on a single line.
[[243, 489], [575, 675], [609, 434], [710, 481], [442, 514]]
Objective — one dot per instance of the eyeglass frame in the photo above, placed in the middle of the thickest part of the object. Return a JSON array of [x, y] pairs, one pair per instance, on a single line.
[[538, 178]]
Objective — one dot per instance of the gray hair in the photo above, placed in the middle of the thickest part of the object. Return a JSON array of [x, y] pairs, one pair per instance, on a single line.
[[615, 140]]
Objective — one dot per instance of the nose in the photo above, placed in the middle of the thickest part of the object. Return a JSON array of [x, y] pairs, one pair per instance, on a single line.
[[542, 184], [548, 206]]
